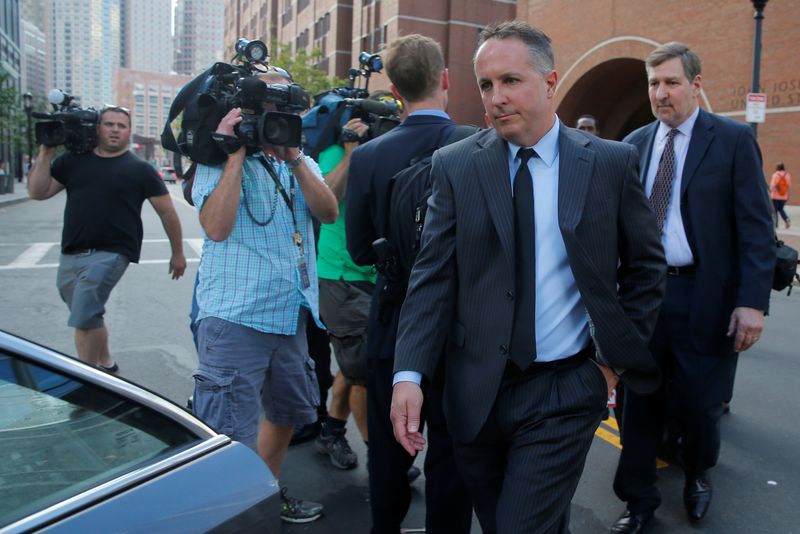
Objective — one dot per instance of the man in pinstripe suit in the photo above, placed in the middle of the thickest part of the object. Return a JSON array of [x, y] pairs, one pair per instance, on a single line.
[[541, 272]]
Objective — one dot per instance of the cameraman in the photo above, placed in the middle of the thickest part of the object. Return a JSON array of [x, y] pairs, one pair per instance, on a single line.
[[257, 289], [102, 225]]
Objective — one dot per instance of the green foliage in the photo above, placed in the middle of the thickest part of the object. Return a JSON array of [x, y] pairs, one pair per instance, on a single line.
[[302, 66], [13, 121]]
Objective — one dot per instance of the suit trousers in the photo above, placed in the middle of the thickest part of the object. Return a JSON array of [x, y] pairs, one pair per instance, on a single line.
[[448, 507], [524, 466], [694, 386]]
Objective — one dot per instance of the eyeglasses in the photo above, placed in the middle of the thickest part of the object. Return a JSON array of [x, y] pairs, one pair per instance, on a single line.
[[115, 109]]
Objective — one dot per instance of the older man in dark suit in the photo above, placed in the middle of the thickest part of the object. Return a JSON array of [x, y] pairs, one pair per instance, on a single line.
[[541, 272], [704, 178], [415, 66]]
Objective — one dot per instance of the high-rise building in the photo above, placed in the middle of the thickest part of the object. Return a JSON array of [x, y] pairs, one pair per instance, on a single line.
[[83, 47], [147, 35], [10, 62], [33, 11], [198, 35], [34, 54]]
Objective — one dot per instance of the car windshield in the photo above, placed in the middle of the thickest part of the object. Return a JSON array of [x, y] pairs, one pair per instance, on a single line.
[[60, 437]]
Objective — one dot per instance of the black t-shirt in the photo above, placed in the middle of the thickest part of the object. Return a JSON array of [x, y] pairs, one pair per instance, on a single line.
[[104, 201]]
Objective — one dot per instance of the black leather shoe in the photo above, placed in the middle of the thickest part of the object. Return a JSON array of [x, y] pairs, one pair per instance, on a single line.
[[697, 497], [630, 523]]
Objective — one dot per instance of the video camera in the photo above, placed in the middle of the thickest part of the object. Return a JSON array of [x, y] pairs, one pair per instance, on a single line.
[[322, 125], [68, 124], [241, 87]]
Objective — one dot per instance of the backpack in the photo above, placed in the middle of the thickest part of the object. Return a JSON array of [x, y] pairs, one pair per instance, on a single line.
[[201, 114], [785, 267], [782, 185], [323, 123], [409, 190]]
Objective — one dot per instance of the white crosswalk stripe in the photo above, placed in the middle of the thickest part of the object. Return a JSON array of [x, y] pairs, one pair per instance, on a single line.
[[31, 256], [35, 252]]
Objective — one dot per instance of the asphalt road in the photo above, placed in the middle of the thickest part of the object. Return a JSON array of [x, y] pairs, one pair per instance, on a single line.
[[757, 481]]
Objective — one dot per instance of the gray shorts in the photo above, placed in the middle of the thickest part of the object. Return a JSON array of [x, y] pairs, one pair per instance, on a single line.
[[243, 373], [344, 307], [85, 282]]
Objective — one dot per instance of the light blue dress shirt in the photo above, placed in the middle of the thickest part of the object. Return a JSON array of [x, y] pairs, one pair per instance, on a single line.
[[562, 328]]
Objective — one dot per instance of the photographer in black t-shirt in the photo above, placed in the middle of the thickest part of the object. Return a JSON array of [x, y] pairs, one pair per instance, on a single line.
[[102, 224]]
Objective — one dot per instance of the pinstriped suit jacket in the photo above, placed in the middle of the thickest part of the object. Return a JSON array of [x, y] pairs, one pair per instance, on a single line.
[[462, 286]]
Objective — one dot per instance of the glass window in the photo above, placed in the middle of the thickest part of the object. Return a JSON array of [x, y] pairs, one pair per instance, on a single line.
[[60, 437]]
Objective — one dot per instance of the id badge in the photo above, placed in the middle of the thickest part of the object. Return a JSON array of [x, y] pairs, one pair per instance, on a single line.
[[302, 268]]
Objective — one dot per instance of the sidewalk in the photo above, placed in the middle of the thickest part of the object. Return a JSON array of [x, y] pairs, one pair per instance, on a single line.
[[20, 194]]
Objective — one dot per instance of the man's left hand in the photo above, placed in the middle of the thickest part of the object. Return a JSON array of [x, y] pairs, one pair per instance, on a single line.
[[746, 324], [611, 377], [177, 264]]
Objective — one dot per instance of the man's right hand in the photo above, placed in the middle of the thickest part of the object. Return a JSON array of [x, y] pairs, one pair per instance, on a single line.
[[359, 129], [229, 121], [405, 416]]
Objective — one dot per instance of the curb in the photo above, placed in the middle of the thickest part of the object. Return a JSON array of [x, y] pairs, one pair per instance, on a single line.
[[12, 201]]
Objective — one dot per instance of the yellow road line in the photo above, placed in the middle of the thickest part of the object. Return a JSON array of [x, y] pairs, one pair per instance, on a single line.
[[613, 438]]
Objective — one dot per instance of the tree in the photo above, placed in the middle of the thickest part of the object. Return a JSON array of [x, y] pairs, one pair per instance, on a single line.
[[303, 68], [12, 116]]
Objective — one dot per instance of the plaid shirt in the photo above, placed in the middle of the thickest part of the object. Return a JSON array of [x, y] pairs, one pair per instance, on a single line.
[[252, 277]]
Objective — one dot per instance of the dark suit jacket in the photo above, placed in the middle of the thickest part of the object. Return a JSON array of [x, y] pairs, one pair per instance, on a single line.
[[727, 218], [367, 205], [463, 280]]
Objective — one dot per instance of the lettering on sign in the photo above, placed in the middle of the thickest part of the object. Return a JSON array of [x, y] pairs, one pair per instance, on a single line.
[[782, 93]]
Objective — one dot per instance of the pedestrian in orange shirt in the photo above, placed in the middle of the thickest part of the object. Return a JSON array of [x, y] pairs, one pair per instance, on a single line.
[[779, 187]]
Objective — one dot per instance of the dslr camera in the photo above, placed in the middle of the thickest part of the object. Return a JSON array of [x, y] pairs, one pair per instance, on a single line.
[[68, 124], [241, 87]]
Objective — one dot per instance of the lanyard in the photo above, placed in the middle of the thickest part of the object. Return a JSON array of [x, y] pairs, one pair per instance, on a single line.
[[289, 198]]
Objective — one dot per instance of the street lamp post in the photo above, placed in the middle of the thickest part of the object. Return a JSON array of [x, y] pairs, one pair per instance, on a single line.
[[27, 102], [758, 16]]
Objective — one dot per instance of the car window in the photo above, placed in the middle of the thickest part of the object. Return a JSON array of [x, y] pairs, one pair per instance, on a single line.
[[60, 437]]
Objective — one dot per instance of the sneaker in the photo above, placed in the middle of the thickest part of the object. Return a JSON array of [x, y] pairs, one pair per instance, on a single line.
[[298, 511], [788, 223], [337, 448]]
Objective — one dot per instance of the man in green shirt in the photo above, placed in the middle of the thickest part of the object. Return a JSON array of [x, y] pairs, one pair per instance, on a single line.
[[345, 294]]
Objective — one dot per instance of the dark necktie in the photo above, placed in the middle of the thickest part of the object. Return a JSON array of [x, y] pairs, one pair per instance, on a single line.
[[523, 333], [662, 186]]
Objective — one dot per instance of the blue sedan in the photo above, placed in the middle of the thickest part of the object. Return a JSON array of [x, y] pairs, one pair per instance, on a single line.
[[85, 451]]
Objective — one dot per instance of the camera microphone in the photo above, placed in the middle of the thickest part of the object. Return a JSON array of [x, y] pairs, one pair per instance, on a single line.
[[380, 108], [56, 97]]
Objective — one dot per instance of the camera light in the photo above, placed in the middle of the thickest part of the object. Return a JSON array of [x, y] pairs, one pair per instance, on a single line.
[[371, 62], [252, 50]]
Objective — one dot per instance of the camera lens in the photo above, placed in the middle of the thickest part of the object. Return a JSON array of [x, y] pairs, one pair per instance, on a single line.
[[275, 130]]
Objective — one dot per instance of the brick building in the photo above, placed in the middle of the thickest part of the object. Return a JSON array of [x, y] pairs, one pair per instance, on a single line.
[[600, 46], [148, 96], [341, 29]]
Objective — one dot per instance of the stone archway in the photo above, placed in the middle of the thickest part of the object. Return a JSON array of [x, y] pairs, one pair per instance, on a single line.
[[615, 92]]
